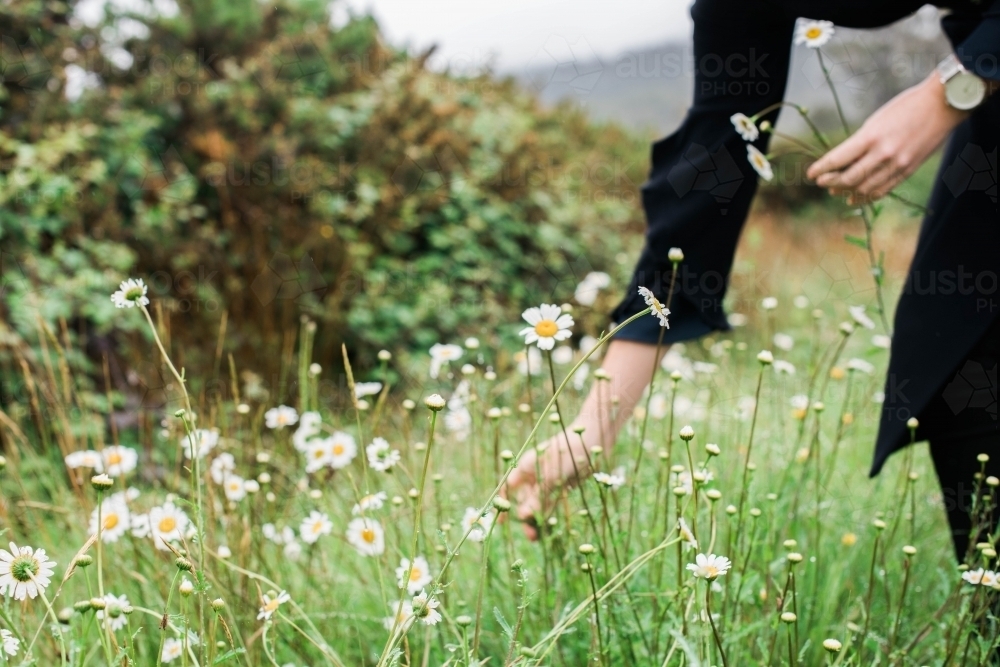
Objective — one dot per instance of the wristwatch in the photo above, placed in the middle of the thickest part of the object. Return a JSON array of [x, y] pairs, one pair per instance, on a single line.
[[963, 90]]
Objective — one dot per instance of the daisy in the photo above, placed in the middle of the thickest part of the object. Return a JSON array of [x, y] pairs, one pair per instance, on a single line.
[[420, 576], [24, 571], [114, 517], [610, 481], [280, 417], [319, 454], [562, 355], [860, 365], [119, 460], [139, 524], [87, 458], [172, 649], [381, 456], [659, 406], [745, 126], [709, 567], [586, 292], [859, 315], [974, 577], [425, 609], [292, 550], [362, 389], [11, 644], [271, 604], [401, 618], [204, 439], [529, 361], [759, 162], [167, 523], [373, 501], [113, 606], [458, 420], [657, 309], [813, 34], [782, 366], [366, 536], [131, 292], [478, 524], [222, 466], [783, 341], [989, 579], [548, 325], [235, 488], [881, 341], [342, 450], [315, 526], [441, 355], [687, 535], [310, 426]]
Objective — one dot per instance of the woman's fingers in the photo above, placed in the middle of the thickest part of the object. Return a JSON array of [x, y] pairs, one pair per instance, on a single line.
[[840, 157]]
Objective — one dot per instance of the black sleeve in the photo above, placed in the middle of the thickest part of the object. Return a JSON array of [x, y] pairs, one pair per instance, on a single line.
[[977, 40]]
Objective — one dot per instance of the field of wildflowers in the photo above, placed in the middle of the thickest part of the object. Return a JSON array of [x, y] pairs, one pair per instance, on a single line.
[[732, 522]]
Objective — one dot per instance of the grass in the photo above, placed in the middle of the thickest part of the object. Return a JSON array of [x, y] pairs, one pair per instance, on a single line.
[[817, 549]]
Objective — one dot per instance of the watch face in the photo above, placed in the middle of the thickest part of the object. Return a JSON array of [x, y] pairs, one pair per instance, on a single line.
[[965, 91]]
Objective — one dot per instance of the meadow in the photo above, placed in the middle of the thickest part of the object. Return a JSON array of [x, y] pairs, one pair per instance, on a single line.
[[732, 523]]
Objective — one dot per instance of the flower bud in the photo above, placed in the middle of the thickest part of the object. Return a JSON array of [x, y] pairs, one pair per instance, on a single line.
[[501, 504], [712, 449], [912, 423], [765, 357], [463, 621], [910, 550], [218, 604], [794, 557], [384, 355], [832, 645], [101, 482], [186, 587], [788, 617], [586, 549], [98, 604], [84, 560], [435, 402], [687, 433], [183, 564], [675, 255]]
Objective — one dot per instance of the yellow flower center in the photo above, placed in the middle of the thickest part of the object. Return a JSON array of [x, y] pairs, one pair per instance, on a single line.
[[110, 521], [368, 535], [711, 572], [338, 449], [167, 524], [814, 33], [317, 527], [546, 328], [415, 573], [114, 459], [271, 605]]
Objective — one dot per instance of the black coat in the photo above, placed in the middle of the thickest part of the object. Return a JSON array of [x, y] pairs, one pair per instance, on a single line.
[[701, 186]]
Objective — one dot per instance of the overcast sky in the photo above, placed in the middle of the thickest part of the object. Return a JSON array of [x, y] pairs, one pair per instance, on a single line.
[[514, 33]]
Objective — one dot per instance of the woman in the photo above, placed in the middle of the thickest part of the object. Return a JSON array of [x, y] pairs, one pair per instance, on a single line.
[[946, 322]]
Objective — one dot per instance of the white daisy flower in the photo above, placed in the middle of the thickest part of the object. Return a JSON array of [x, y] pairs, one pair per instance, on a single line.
[[113, 606], [420, 574], [139, 524], [167, 523], [881, 341], [799, 402], [271, 604], [362, 389], [861, 317], [235, 488], [709, 567], [562, 355], [373, 501], [173, 648], [87, 458], [425, 609], [769, 303], [458, 420], [280, 417], [24, 571], [401, 618], [342, 450], [659, 406], [478, 524], [860, 365], [131, 292], [759, 162], [586, 292], [11, 644], [114, 517], [813, 34], [381, 456], [548, 325], [609, 481], [442, 354], [224, 552], [314, 527], [989, 579], [292, 550], [319, 454], [310, 427], [974, 577], [530, 360], [658, 310], [119, 460], [705, 367], [222, 466], [366, 535], [783, 341], [685, 532], [745, 126], [782, 366], [204, 439]]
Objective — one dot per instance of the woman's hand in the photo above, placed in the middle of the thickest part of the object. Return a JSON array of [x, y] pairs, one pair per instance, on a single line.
[[891, 144]]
